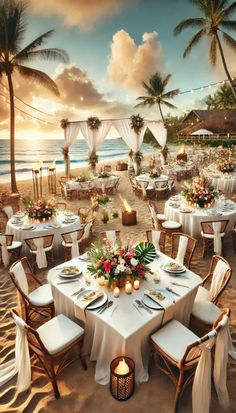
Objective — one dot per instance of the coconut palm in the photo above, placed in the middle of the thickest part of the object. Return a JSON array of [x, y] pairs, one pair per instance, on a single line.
[[156, 94], [215, 18], [13, 58]]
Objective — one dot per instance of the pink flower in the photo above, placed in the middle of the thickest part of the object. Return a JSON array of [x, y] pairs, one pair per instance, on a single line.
[[107, 266]]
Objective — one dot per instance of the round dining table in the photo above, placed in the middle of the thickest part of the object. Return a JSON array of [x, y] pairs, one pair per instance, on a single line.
[[124, 328], [190, 218], [61, 223], [151, 181], [223, 182]]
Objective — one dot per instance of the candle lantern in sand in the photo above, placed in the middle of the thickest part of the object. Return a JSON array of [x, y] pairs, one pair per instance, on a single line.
[[122, 378], [52, 180], [37, 180], [129, 216]]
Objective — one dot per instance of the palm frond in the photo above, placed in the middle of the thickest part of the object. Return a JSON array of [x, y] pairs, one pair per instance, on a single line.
[[228, 24], [213, 51], [189, 23], [166, 80], [195, 40], [34, 44], [230, 9], [12, 26], [38, 76], [171, 94], [146, 101], [47, 54], [147, 87], [229, 40], [168, 104]]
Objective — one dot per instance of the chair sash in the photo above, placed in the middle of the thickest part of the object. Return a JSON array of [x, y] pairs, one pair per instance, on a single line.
[[111, 236], [8, 211], [183, 243], [143, 187], [21, 364], [154, 217], [87, 230], [75, 246], [220, 364], [41, 258], [201, 391], [156, 239], [20, 276], [216, 226], [5, 253], [217, 278]]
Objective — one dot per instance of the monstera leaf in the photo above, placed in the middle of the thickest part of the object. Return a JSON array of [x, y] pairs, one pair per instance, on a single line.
[[146, 252]]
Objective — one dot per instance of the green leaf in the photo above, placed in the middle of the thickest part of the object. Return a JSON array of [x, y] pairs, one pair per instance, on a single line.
[[146, 252]]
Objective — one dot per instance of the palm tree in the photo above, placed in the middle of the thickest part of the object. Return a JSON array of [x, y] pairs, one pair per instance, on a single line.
[[224, 98], [215, 18], [156, 93], [13, 59]]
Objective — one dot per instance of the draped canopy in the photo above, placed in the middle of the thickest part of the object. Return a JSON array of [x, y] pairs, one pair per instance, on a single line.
[[95, 137]]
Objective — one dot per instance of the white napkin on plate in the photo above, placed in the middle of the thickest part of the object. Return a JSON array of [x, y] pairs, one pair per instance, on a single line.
[[81, 305], [165, 303]]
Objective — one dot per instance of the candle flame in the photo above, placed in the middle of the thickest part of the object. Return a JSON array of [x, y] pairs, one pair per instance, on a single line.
[[126, 204], [37, 165], [52, 165], [182, 149]]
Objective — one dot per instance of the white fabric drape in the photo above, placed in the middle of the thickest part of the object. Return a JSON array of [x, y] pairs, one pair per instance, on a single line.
[[95, 137], [159, 132], [75, 246], [5, 253], [131, 138], [41, 258], [8, 211], [19, 273], [201, 390], [111, 236], [154, 217], [217, 278], [156, 239], [183, 243], [216, 226], [70, 134], [220, 364], [21, 363]]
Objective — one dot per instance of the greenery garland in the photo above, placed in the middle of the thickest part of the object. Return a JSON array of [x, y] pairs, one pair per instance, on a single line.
[[137, 123], [93, 123], [64, 123]]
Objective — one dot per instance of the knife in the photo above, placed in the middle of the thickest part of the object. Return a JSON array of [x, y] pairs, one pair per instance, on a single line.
[[67, 282], [180, 285], [173, 292]]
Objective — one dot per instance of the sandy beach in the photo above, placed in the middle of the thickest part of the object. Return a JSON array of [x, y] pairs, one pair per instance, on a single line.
[[79, 392]]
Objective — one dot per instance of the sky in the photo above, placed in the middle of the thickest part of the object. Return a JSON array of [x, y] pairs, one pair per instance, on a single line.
[[113, 46]]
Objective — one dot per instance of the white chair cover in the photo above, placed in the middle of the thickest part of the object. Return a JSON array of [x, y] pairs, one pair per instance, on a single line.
[[154, 217], [21, 363], [111, 236], [220, 364], [183, 243], [201, 391], [5, 253], [216, 226], [217, 278], [75, 246], [8, 211], [41, 258], [19, 273], [87, 230], [155, 239]]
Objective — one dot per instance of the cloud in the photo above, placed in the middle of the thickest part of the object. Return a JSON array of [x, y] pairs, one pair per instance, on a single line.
[[81, 13], [130, 64]]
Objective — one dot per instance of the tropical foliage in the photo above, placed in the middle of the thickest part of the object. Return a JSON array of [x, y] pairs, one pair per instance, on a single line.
[[223, 98], [14, 58], [214, 20]]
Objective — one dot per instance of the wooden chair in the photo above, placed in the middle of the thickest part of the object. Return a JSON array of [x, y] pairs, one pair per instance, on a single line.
[[83, 213], [109, 235], [37, 302], [8, 211], [62, 206], [68, 242], [191, 245], [161, 188], [66, 192], [203, 313], [13, 247], [142, 186], [162, 238], [52, 342], [179, 352], [233, 232], [207, 233], [47, 246], [161, 223], [88, 232], [171, 184]]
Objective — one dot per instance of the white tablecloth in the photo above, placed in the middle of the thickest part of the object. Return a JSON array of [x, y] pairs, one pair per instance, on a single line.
[[225, 183], [151, 181], [126, 331], [191, 221], [42, 228]]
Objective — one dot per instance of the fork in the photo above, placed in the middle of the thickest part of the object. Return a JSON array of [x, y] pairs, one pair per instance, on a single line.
[[172, 291], [78, 291], [140, 304]]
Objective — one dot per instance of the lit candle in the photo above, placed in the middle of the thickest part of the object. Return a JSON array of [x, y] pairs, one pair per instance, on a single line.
[[101, 280], [116, 292], [128, 288], [122, 368], [156, 277], [136, 284]]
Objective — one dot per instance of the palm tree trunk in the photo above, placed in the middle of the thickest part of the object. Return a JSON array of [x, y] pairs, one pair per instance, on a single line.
[[162, 117], [225, 66], [12, 134]]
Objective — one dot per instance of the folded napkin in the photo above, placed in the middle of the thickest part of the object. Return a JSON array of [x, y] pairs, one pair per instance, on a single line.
[[82, 304], [54, 226], [156, 296]]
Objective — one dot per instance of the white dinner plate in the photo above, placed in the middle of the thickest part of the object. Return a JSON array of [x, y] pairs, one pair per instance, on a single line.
[[166, 268], [69, 220], [65, 275], [95, 304], [152, 304]]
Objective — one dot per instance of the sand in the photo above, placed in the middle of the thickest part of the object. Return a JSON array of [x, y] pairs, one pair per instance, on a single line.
[[79, 392]]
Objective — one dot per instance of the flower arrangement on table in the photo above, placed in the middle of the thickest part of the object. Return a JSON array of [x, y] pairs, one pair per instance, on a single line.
[[226, 166], [39, 210], [118, 264], [103, 174], [200, 192], [99, 199], [82, 178], [155, 173]]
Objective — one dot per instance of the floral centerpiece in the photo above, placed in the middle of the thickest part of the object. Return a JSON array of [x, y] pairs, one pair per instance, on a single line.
[[82, 178], [103, 174], [155, 173], [200, 192], [117, 263], [226, 166], [39, 210], [136, 123]]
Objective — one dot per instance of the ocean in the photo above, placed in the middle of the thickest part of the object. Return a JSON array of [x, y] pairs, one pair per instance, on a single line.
[[28, 152]]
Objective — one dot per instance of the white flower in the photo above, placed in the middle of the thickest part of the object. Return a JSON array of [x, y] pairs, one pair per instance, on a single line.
[[133, 262], [120, 267], [121, 260]]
